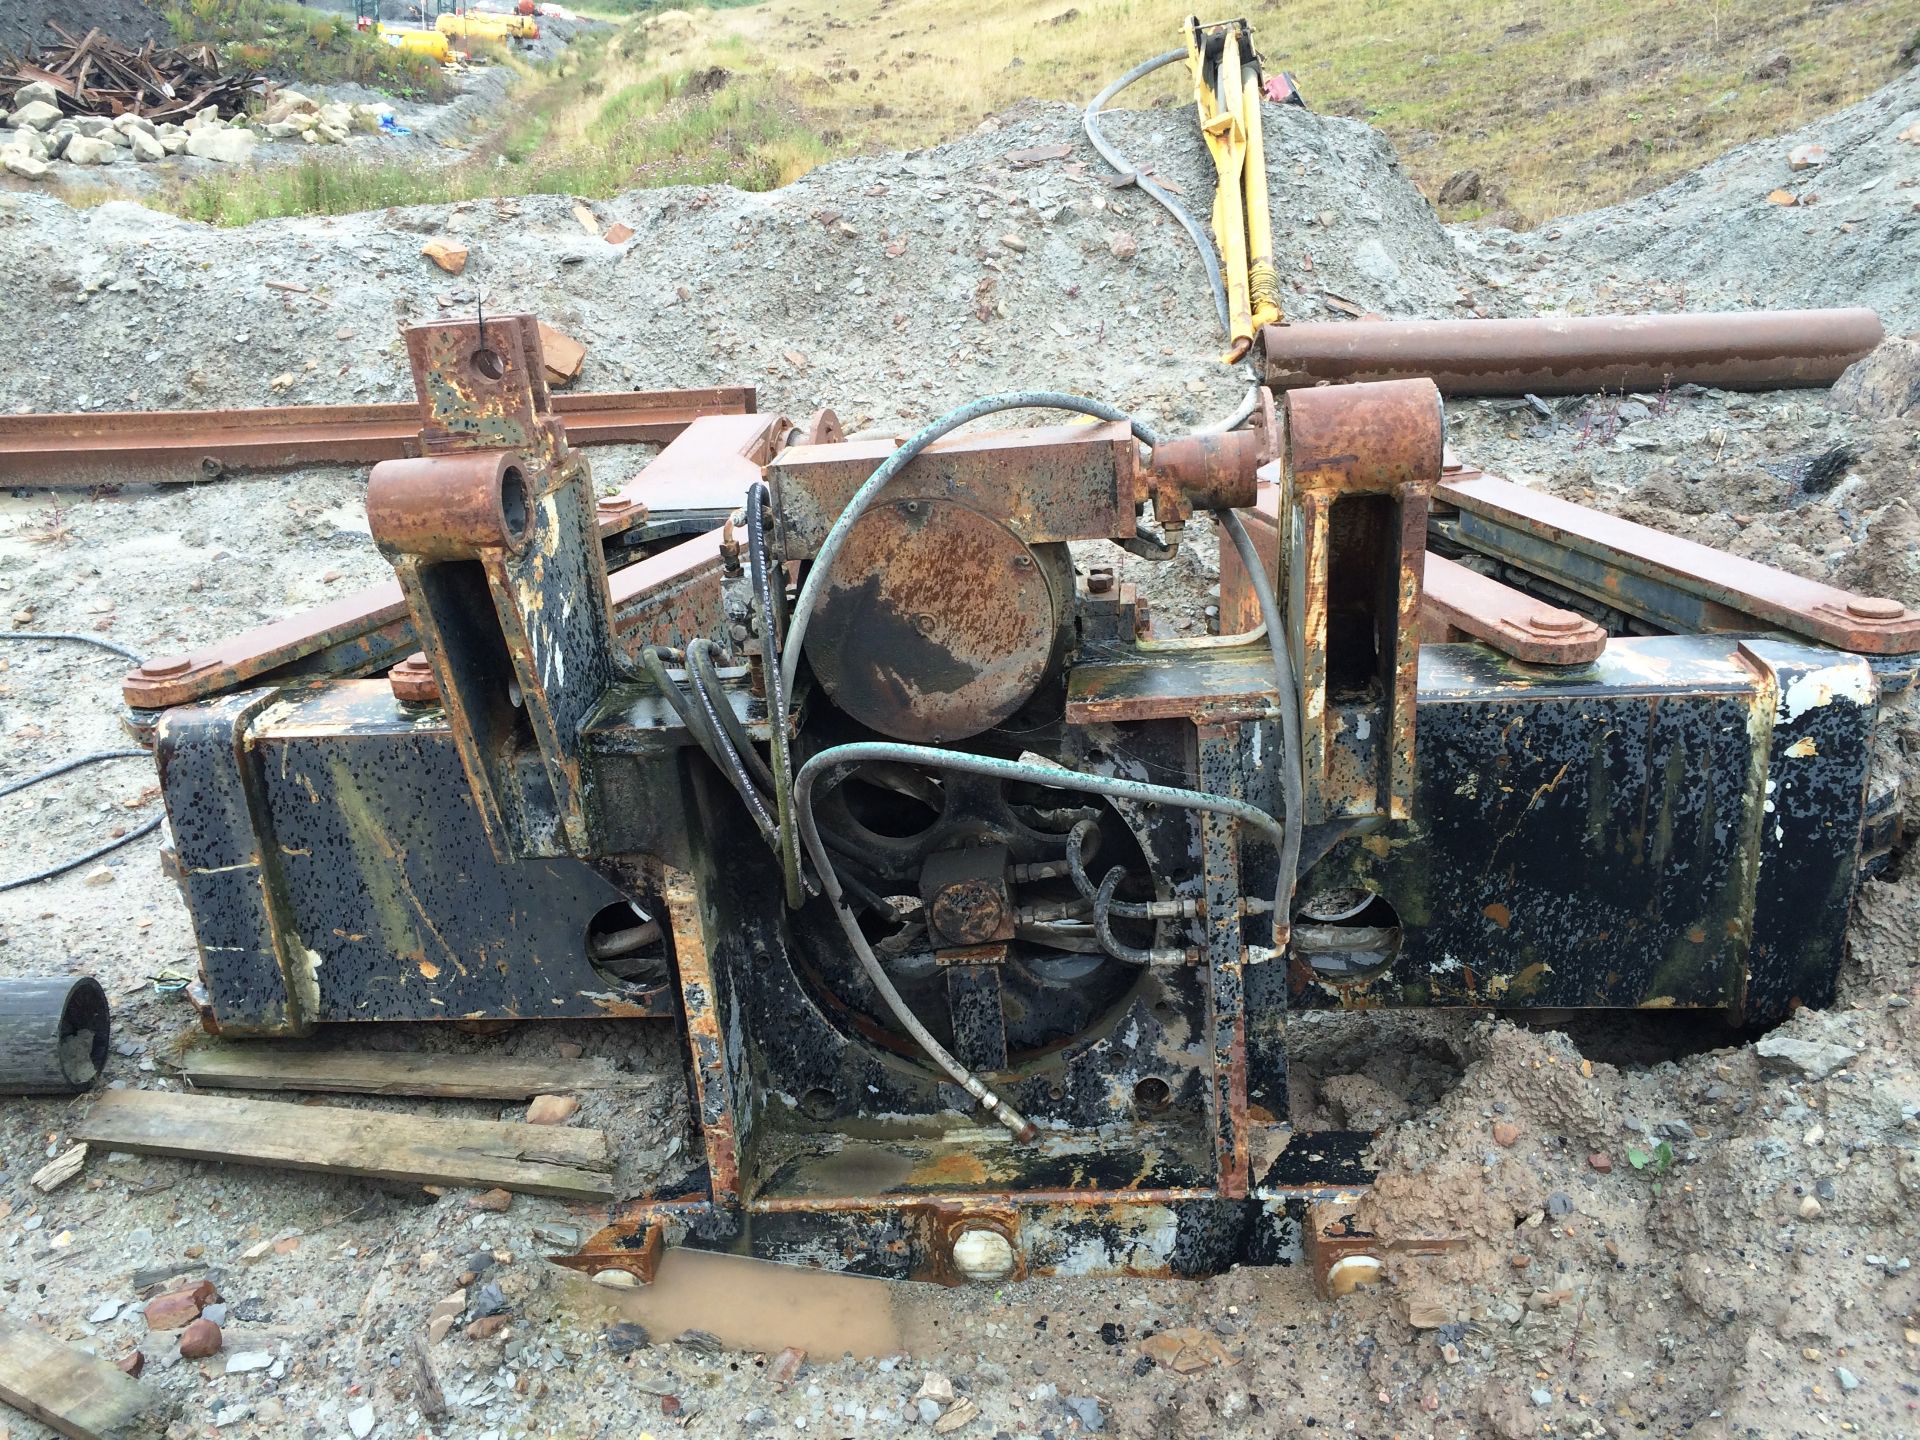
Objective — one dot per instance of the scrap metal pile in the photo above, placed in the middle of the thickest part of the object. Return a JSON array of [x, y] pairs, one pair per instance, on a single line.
[[980, 909], [98, 75]]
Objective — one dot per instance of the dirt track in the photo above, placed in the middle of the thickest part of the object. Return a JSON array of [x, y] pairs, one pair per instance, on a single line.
[[1707, 1298]]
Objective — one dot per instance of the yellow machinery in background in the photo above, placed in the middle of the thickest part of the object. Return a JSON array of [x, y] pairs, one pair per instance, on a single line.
[[478, 26], [1227, 90], [430, 43]]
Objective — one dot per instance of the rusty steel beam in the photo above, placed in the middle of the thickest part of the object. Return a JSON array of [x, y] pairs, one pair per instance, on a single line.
[[161, 447], [1459, 602], [1663, 577], [1579, 355]]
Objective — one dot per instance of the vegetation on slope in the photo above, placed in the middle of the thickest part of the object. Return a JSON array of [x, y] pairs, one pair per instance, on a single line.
[[290, 42]]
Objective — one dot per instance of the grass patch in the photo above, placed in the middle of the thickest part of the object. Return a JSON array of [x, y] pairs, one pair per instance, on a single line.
[[593, 123], [290, 42], [1560, 107]]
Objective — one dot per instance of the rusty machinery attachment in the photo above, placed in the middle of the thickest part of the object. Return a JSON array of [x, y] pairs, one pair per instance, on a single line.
[[1579, 355], [835, 755]]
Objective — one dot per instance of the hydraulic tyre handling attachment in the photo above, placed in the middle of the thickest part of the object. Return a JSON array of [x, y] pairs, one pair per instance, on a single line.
[[979, 909]]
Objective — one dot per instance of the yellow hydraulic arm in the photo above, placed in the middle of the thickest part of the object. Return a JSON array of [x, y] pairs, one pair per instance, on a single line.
[[1226, 89]]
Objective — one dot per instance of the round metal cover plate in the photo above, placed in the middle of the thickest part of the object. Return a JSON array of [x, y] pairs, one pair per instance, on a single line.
[[937, 623]]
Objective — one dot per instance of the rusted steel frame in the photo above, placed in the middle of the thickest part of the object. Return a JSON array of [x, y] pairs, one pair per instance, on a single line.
[[707, 467], [1048, 483], [1222, 772], [1463, 603], [373, 624], [1214, 470], [1361, 462], [1602, 555], [178, 446], [1341, 1255], [716, 1089], [1577, 355]]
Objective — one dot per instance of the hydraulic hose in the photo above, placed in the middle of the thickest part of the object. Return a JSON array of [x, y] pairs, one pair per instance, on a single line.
[[1090, 122], [697, 715], [700, 664], [809, 597], [1292, 785], [760, 572], [13, 787]]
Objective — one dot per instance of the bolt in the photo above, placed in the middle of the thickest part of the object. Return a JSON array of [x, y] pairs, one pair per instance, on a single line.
[[167, 665], [924, 623], [1554, 622], [1872, 607], [912, 507], [1099, 581], [1023, 562]]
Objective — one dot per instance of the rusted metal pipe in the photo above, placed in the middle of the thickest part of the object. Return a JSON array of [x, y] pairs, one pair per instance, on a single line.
[[1746, 350]]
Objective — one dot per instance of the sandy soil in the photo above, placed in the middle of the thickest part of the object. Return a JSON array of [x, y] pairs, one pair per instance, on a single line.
[[1760, 1284]]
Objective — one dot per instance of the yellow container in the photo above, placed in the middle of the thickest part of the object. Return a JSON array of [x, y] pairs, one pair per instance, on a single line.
[[488, 27], [429, 43]]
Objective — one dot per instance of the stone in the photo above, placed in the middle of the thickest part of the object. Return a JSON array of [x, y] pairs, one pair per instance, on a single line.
[[1461, 187], [36, 91], [215, 1313], [616, 1279], [449, 256], [146, 148], [174, 142], [487, 1326], [360, 1421], [1089, 1411], [927, 1411], [452, 1306], [1815, 1059], [200, 1339], [281, 130], [1559, 1203], [1809, 1208], [329, 134], [133, 1362], [439, 1328], [131, 123], [100, 875], [962, 1414], [227, 147], [785, 1366], [85, 150], [1848, 1380], [245, 1362], [34, 115], [495, 1200], [174, 1310], [1505, 1133], [551, 1109], [1543, 1397], [935, 1387], [626, 1337], [207, 119], [1014, 243], [1601, 1162], [1806, 157], [1122, 246], [618, 233], [103, 1312]]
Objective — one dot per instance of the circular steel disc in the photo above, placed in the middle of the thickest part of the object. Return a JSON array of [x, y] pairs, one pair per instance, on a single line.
[[937, 623]]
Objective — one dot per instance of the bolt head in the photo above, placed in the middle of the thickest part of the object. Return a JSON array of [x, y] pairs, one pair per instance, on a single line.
[[166, 665], [1874, 607], [1553, 622]]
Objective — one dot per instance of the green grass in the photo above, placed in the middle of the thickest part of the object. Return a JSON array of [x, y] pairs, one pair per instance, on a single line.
[[289, 42], [567, 136]]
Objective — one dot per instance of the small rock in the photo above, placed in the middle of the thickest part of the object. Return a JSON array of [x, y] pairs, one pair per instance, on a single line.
[[1601, 1162], [103, 1312], [1815, 1059], [1462, 187], [100, 874], [962, 1414], [360, 1421], [1559, 1203], [449, 256], [133, 1362], [454, 1305], [200, 1339], [491, 1200], [34, 115], [1505, 1133], [785, 1366], [618, 233], [1543, 1397], [626, 1337], [1848, 1380], [226, 146], [438, 1328], [551, 1109], [927, 1410], [173, 1310], [36, 90], [1806, 157], [1122, 246], [1809, 1208], [616, 1279], [487, 1326], [936, 1387], [18, 162], [146, 148], [1091, 1414], [1014, 243], [701, 1342], [215, 1313], [245, 1362]]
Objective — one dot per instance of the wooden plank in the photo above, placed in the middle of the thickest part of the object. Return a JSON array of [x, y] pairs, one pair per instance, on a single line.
[[394, 1072], [74, 1392], [536, 1159]]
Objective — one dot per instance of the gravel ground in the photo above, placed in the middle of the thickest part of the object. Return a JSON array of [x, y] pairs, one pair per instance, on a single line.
[[1760, 1286]]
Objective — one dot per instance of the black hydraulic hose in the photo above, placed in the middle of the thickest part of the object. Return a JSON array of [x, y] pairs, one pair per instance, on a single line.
[[1090, 122], [73, 636], [700, 663], [1104, 907], [703, 725], [13, 787], [760, 573], [1076, 845]]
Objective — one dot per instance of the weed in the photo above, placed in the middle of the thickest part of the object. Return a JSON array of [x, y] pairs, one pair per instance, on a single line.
[[290, 42]]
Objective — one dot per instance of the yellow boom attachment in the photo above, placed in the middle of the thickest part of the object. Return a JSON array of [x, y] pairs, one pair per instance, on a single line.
[[1226, 90]]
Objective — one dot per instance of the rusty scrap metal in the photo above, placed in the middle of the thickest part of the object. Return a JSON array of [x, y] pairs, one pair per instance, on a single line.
[[97, 75], [1463, 604], [158, 447], [1578, 355]]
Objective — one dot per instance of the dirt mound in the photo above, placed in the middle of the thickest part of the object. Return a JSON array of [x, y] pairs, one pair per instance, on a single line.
[[23, 22]]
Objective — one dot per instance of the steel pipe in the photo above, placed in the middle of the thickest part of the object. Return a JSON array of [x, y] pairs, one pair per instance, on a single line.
[[1578, 355]]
